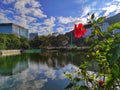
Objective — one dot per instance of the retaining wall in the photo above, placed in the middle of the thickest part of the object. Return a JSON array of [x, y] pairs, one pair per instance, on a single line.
[[9, 52]]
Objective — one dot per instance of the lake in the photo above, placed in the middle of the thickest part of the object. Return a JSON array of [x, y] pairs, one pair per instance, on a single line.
[[38, 71]]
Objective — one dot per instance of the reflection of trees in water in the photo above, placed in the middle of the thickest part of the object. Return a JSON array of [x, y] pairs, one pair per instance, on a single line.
[[10, 65], [58, 59]]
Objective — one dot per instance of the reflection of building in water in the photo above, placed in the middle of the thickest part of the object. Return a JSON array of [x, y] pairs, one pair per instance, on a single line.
[[19, 67]]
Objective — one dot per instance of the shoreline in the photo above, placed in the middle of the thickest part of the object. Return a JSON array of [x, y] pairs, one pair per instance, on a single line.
[[10, 52], [66, 48]]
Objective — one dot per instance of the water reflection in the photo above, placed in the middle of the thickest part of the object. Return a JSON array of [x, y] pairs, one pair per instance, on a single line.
[[58, 59], [43, 71], [13, 64]]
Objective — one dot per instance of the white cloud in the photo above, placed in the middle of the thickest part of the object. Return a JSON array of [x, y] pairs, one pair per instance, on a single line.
[[86, 10], [117, 0], [8, 1], [110, 9], [48, 26], [8, 12], [32, 9], [60, 30], [3, 18], [31, 19], [71, 20], [24, 20], [50, 21], [67, 20]]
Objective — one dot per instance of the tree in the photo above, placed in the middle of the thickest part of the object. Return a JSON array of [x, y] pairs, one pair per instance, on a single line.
[[61, 39], [44, 41], [53, 40], [24, 43], [13, 41], [35, 42], [3, 40]]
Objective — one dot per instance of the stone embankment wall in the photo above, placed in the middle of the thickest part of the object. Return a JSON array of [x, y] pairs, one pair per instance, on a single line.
[[9, 52]]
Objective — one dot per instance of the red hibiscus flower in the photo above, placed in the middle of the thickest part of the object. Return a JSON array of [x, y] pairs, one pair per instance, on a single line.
[[100, 82], [79, 30]]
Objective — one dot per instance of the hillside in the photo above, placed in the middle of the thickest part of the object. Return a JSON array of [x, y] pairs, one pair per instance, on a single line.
[[113, 19]]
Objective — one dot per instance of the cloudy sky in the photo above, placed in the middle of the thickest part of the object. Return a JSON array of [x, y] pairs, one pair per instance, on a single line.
[[49, 16]]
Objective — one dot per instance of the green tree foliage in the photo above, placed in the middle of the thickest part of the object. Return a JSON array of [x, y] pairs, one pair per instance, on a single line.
[[61, 39], [3, 40], [12, 41], [34, 43], [46, 41], [24, 43], [39, 41], [53, 40]]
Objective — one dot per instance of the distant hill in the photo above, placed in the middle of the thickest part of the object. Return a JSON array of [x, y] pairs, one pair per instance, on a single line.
[[113, 19]]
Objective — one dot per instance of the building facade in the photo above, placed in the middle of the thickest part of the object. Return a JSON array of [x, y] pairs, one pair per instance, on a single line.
[[10, 28]]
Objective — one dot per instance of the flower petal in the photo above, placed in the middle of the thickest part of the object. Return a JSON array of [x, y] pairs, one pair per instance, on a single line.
[[80, 25]]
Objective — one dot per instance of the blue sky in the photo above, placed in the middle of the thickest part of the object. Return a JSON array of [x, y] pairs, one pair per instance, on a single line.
[[49, 16]]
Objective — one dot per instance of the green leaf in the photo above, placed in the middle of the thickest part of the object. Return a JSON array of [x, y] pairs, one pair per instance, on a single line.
[[113, 27], [83, 87], [77, 79], [109, 80], [110, 40], [92, 76], [97, 52], [99, 75], [70, 85], [92, 16], [116, 70], [85, 65], [87, 39], [101, 19], [96, 30], [69, 76]]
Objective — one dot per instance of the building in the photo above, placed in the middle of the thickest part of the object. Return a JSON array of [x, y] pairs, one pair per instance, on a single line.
[[91, 29], [10, 28], [33, 35]]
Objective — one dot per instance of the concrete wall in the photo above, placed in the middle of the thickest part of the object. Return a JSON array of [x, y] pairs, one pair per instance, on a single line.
[[9, 52]]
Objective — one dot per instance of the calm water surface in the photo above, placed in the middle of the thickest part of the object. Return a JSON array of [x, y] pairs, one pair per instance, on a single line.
[[42, 71]]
